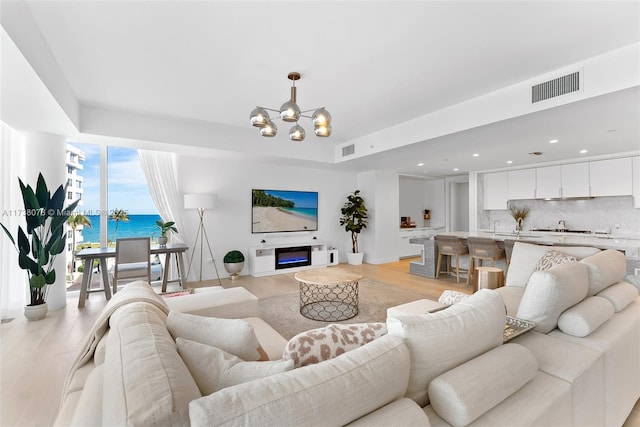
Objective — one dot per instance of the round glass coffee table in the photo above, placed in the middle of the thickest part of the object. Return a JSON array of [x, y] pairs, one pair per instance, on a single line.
[[328, 294]]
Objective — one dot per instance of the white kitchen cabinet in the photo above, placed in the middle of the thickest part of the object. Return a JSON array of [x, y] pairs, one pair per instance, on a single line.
[[548, 182], [611, 177], [575, 180], [571, 180], [521, 184], [496, 190]]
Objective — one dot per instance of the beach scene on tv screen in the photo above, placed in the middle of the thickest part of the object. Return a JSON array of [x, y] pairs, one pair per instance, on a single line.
[[280, 211]]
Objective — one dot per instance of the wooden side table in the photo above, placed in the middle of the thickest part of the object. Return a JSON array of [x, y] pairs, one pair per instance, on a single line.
[[328, 294], [488, 278]]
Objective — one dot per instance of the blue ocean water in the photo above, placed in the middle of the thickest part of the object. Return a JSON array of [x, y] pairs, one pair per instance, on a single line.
[[311, 213], [138, 226]]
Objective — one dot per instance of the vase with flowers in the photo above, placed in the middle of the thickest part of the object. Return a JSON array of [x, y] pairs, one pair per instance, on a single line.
[[519, 214]]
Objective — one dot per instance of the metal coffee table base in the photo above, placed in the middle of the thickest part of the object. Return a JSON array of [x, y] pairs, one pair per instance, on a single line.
[[329, 303]]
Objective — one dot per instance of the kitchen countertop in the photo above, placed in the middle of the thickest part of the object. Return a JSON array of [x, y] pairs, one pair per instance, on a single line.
[[630, 245]]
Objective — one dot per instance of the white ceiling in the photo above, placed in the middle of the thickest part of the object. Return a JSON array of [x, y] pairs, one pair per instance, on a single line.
[[371, 64]]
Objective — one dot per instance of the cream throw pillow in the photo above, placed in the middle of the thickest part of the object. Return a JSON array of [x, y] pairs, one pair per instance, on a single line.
[[331, 393], [605, 269], [465, 393], [442, 340], [585, 317], [551, 292], [214, 369], [235, 336], [619, 295]]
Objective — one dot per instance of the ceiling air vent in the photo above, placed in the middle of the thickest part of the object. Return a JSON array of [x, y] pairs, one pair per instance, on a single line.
[[556, 87], [348, 150]]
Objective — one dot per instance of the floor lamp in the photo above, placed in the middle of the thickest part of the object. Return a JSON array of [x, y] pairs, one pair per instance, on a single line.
[[201, 202]]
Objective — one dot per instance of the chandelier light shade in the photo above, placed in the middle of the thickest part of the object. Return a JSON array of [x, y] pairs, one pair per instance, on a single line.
[[290, 112], [260, 117], [269, 130], [296, 133]]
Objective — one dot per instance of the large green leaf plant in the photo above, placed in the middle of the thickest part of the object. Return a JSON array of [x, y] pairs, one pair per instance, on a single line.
[[44, 237], [354, 217]]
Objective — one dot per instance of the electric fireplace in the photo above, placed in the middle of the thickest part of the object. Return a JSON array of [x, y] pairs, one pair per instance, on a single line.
[[297, 256]]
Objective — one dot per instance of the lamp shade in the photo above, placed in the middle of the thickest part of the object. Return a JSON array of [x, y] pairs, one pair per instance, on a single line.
[[269, 130], [200, 201]]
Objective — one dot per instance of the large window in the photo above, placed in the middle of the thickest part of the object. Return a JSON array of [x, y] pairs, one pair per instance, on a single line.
[[130, 210]]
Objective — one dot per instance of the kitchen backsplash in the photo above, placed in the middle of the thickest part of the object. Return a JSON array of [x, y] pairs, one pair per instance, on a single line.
[[614, 214]]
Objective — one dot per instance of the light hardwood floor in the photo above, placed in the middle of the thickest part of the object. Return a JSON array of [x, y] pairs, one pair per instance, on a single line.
[[35, 356]]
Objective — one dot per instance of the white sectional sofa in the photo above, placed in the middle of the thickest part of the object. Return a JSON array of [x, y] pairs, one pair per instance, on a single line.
[[580, 368]]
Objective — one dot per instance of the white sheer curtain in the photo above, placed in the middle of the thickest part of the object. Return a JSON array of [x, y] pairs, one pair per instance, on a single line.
[[161, 172], [13, 280]]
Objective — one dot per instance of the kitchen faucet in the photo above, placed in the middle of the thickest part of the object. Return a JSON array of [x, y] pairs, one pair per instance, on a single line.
[[561, 225], [494, 226]]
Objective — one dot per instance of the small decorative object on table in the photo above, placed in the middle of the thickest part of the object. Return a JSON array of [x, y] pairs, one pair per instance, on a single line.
[[180, 293], [519, 214], [165, 227], [514, 327]]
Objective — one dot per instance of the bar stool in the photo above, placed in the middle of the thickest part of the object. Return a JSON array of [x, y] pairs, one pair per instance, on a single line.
[[482, 248], [454, 247], [508, 249]]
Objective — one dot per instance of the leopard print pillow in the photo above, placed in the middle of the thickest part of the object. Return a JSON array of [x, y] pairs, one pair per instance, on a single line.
[[450, 297], [317, 345], [551, 258]]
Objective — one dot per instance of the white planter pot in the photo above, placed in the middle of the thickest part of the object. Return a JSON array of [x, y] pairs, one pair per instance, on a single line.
[[355, 259], [233, 268], [162, 241], [36, 312]]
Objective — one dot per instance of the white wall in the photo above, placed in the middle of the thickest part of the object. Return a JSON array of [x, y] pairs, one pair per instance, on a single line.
[[434, 200], [418, 194], [459, 206], [380, 191], [229, 225], [29, 153], [412, 193]]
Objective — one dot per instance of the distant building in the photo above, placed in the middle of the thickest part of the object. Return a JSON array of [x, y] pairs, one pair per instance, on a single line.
[[74, 190]]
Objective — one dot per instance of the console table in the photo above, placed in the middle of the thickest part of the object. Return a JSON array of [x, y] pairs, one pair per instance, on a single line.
[[328, 294]]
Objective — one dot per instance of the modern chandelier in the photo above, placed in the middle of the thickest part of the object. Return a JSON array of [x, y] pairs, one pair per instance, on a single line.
[[290, 112]]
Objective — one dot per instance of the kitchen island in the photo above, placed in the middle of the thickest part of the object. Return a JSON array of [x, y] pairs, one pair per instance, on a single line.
[[630, 246]]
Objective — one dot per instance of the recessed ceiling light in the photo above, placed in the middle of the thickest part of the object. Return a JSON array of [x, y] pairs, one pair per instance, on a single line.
[[553, 141], [476, 154], [420, 164], [509, 162], [456, 169], [583, 151]]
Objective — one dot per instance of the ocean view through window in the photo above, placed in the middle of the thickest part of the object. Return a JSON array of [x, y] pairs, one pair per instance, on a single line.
[[126, 192]]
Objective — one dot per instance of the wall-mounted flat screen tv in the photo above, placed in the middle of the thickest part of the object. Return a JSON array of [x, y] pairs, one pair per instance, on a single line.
[[279, 211]]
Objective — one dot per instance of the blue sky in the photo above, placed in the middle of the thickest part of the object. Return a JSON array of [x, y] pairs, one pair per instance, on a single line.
[[127, 185]]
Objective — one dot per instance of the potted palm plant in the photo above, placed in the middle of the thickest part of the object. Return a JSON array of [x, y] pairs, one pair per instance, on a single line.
[[354, 219], [42, 241], [165, 228]]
